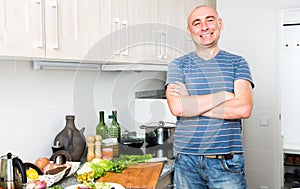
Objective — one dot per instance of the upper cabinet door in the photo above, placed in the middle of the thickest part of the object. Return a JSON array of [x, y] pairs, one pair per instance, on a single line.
[[22, 31], [71, 28], [63, 19], [119, 28], [53, 29], [138, 36]]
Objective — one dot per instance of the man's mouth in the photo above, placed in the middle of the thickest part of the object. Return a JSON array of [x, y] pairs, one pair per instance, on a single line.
[[206, 35]]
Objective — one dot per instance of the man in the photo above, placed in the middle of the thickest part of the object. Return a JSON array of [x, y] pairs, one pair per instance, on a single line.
[[210, 91]]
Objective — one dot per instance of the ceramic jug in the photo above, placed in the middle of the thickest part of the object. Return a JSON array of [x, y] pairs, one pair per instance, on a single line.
[[72, 139]]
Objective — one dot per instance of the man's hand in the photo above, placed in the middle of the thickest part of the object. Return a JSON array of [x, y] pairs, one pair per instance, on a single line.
[[178, 89]]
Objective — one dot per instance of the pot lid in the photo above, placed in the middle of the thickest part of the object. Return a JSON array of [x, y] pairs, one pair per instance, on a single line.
[[127, 139], [159, 124], [131, 140]]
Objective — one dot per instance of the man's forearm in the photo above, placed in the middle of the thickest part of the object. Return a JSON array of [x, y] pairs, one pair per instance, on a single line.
[[196, 105], [236, 108]]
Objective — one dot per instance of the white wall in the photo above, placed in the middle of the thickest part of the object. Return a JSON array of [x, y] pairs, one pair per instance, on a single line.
[[251, 30], [34, 103]]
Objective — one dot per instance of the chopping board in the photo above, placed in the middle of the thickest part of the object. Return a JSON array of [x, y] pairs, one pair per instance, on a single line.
[[143, 175]]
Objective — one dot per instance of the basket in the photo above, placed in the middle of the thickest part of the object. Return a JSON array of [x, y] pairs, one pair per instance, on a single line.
[[52, 179]]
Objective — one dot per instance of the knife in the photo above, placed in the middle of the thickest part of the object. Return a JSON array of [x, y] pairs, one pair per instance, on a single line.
[[158, 159]]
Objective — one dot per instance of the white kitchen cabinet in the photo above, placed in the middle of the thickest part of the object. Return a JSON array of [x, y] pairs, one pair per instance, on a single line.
[[124, 31], [55, 29]]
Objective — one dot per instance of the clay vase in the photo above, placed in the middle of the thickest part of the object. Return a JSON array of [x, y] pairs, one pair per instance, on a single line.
[[72, 139]]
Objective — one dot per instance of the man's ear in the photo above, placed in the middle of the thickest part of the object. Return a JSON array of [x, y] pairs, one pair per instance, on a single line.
[[220, 22], [188, 29]]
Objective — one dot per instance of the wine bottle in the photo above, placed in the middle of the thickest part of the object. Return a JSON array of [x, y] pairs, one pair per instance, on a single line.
[[101, 128], [114, 131]]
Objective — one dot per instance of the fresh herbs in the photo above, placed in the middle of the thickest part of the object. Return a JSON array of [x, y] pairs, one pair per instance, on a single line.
[[98, 167], [128, 160]]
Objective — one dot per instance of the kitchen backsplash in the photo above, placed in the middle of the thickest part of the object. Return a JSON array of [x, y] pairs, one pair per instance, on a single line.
[[34, 103]]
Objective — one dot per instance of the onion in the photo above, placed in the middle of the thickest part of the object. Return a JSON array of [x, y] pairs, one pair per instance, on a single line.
[[36, 184], [42, 162]]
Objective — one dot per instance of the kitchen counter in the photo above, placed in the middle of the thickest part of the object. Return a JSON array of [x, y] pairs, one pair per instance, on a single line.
[[167, 170], [166, 175]]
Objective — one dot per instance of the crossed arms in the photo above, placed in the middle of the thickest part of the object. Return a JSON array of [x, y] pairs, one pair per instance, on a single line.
[[221, 105]]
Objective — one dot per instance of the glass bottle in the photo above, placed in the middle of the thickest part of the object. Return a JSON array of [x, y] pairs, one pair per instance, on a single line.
[[101, 128], [114, 131]]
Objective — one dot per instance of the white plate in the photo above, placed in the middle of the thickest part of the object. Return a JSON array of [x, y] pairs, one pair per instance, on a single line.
[[115, 185]]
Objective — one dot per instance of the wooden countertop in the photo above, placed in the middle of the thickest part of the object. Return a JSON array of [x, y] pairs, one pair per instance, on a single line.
[[141, 176]]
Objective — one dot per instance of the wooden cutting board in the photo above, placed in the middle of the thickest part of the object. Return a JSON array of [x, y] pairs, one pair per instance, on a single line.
[[143, 175]]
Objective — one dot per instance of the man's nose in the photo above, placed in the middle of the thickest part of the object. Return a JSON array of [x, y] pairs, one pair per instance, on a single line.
[[204, 26]]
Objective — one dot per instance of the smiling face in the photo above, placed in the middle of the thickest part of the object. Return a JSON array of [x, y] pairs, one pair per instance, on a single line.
[[204, 25]]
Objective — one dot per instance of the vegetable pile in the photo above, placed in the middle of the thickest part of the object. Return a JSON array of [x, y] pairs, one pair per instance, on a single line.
[[98, 167]]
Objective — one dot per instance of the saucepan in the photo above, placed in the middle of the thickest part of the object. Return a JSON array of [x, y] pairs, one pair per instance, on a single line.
[[159, 132]]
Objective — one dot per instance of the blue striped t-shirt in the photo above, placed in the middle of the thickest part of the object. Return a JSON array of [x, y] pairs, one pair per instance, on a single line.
[[201, 135]]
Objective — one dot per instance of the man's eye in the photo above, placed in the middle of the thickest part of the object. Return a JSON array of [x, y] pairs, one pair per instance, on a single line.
[[210, 19]]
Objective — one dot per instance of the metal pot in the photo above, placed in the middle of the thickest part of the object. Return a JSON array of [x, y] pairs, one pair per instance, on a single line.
[[159, 132], [131, 141]]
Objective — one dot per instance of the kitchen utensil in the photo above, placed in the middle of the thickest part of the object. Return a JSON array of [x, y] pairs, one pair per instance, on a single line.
[[158, 159], [159, 132], [11, 169], [131, 141]]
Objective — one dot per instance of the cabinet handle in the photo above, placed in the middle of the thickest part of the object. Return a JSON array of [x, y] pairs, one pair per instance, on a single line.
[[165, 55], [163, 50], [160, 36], [54, 4], [40, 44], [117, 21], [125, 51]]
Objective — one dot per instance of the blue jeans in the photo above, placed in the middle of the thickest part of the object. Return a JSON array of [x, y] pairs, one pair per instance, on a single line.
[[200, 172]]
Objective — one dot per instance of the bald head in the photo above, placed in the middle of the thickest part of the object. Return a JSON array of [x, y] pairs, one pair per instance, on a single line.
[[201, 10]]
